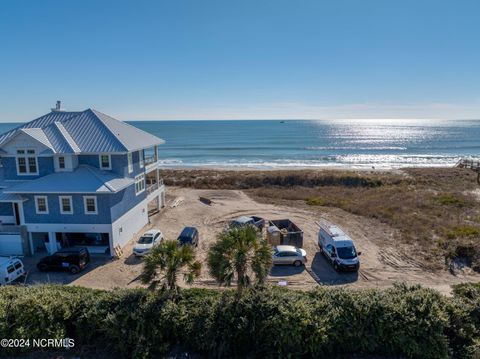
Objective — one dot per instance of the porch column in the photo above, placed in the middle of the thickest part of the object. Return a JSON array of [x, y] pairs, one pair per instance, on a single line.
[[52, 243]]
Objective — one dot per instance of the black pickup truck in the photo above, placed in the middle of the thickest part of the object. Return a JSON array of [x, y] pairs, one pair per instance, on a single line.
[[248, 220]]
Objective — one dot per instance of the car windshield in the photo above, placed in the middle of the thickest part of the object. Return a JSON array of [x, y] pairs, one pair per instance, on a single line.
[[185, 239], [145, 240], [346, 252]]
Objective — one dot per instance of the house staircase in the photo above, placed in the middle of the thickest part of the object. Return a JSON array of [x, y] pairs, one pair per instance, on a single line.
[[470, 164]]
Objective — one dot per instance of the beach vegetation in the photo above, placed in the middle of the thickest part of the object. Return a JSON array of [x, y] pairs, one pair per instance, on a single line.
[[268, 322], [166, 262], [240, 254]]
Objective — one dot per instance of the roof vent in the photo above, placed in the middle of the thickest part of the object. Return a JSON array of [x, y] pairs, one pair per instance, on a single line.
[[58, 107]]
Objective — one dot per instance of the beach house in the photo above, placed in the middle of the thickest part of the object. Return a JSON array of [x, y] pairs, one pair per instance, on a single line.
[[76, 179]]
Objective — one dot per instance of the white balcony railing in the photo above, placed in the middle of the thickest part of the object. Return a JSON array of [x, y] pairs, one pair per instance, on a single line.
[[154, 186], [149, 160]]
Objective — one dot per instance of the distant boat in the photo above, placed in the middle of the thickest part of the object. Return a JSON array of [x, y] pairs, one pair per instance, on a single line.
[[282, 121]]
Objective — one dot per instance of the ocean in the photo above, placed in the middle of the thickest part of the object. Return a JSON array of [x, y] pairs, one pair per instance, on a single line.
[[323, 143]]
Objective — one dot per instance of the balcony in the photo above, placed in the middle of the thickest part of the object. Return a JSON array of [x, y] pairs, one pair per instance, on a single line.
[[149, 160], [154, 186], [150, 157]]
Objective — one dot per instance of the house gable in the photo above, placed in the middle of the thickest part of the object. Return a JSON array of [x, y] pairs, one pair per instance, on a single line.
[[24, 140]]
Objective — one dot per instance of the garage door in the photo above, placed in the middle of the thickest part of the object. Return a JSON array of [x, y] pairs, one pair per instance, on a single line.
[[10, 244]]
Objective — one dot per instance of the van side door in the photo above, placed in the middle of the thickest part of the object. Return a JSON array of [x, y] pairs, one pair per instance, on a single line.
[[329, 251]]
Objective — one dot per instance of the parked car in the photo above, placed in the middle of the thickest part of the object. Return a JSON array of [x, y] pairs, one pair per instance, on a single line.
[[338, 248], [189, 235], [10, 269], [73, 259], [285, 254], [146, 242], [246, 220]]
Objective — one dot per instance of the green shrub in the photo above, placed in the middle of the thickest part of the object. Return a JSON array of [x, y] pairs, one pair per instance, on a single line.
[[450, 199], [464, 231], [411, 322], [315, 201]]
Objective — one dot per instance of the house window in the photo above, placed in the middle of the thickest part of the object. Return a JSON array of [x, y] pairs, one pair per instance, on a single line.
[[26, 162], [105, 162], [130, 163], [61, 162], [139, 184], [90, 203], [66, 204], [41, 204], [141, 156]]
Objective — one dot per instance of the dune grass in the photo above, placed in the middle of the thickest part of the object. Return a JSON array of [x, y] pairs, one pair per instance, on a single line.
[[431, 209]]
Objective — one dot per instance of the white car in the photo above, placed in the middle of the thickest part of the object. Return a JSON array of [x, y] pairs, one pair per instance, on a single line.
[[10, 269], [289, 255], [146, 242]]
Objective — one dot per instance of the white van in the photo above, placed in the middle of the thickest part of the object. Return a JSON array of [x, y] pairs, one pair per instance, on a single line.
[[338, 248], [10, 269]]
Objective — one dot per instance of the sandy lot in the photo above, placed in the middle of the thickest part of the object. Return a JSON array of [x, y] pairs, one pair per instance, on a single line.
[[382, 263]]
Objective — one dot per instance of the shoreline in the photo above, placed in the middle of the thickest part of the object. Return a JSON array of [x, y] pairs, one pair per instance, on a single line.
[[300, 168]]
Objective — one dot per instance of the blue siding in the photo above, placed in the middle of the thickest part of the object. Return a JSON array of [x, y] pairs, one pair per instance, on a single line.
[[78, 216], [91, 160], [119, 163], [124, 201], [6, 209], [136, 164], [45, 167]]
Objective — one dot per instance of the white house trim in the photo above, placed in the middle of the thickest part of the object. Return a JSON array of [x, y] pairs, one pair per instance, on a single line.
[[109, 167], [129, 224], [85, 198], [36, 198], [26, 156], [139, 184], [130, 162], [60, 199]]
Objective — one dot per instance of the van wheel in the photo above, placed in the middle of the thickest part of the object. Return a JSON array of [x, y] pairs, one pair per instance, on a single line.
[[74, 269], [42, 267], [297, 263]]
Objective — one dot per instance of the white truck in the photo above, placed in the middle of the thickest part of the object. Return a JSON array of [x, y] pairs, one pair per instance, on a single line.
[[338, 248], [10, 269]]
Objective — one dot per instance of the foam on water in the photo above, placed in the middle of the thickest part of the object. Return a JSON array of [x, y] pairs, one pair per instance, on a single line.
[[316, 144]]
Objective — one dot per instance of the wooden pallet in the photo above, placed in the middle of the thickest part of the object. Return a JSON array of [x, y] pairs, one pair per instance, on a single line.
[[118, 251], [176, 202]]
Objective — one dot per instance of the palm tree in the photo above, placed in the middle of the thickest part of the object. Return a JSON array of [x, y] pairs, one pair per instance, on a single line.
[[239, 253], [165, 262]]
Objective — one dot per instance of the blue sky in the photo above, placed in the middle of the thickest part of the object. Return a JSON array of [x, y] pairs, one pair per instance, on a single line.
[[230, 59]]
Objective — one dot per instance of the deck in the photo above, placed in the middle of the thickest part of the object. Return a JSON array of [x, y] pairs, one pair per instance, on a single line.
[[470, 164]]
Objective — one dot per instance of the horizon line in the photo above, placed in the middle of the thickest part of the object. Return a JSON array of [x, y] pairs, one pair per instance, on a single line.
[[282, 119]]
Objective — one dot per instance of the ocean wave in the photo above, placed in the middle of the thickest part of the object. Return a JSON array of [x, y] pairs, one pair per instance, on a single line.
[[369, 148], [340, 161]]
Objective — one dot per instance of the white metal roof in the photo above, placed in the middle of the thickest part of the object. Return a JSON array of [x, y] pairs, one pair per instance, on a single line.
[[10, 197], [84, 179], [89, 131]]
